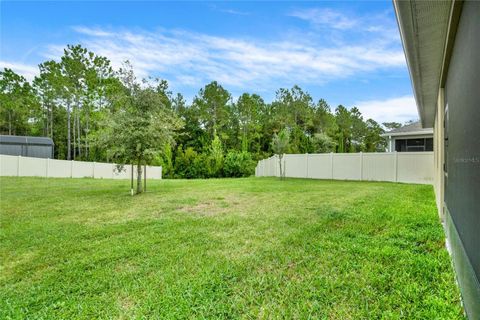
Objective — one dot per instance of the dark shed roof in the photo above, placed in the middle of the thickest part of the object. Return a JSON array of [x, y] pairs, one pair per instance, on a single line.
[[26, 140]]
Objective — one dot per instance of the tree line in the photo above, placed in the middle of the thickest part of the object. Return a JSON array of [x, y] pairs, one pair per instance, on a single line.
[[95, 113]]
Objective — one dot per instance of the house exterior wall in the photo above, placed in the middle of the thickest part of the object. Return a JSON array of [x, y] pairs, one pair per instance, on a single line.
[[458, 146]]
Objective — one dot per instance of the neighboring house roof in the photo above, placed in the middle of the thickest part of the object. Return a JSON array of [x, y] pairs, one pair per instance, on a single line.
[[426, 33], [412, 129], [25, 140]]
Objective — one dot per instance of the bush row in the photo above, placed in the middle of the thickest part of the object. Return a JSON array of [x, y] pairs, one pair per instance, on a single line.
[[190, 164]]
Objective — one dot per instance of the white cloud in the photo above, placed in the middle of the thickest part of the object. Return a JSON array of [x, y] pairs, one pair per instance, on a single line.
[[325, 17], [91, 31], [28, 71], [399, 109], [243, 63], [342, 26]]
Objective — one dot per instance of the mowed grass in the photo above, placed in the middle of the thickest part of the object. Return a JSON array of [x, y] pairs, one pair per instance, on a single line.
[[255, 248]]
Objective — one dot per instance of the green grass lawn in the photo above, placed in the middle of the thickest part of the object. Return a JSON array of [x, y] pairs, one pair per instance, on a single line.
[[255, 248]]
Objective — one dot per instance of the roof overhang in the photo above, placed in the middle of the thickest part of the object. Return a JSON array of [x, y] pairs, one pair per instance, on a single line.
[[427, 37], [410, 133]]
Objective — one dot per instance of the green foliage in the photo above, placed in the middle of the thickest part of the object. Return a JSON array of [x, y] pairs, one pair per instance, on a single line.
[[141, 129], [280, 146], [392, 125], [239, 164], [165, 160], [323, 143], [18, 104], [189, 164], [215, 158], [281, 142], [77, 99]]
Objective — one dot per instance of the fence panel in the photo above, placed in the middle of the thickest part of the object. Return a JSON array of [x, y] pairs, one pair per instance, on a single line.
[[82, 169], [154, 172], [410, 167], [415, 167], [270, 166], [32, 167], [347, 166], [103, 170], [9, 165], [378, 166], [40, 167], [295, 166], [320, 166], [59, 168]]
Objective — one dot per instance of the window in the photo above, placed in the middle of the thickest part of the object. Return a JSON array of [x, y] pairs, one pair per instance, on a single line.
[[414, 145]]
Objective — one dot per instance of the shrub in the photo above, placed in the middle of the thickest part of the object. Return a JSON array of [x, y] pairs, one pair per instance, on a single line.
[[214, 160], [238, 164], [189, 164]]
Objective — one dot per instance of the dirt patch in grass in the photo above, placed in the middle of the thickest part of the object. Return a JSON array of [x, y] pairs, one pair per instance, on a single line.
[[126, 306], [217, 206], [207, 208]]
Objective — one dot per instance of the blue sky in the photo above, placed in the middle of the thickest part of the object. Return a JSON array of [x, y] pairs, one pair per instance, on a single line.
[[345, 52]]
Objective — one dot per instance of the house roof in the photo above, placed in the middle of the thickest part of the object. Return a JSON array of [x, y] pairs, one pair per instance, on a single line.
[[4, 139], [424, 29], [409, 130]]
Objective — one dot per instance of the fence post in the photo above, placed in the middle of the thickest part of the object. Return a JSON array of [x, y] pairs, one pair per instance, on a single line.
[[18, 166], [93, 169], [46, 169], [71, 168], [331, 164], [361, 165], [395, 166], [306, 160]]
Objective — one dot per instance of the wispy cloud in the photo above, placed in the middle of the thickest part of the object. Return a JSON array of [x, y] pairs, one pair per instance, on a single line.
[[95, 32], [400, 109], [325, 17], [229, 10], [193, 58], [28, 71], [380, 25]]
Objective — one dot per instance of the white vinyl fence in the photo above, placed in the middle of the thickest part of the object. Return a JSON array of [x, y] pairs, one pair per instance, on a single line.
[[410, 167], [19, 166]]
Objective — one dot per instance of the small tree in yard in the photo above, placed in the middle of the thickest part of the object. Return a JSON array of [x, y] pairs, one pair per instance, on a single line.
[[139, 130], [280, 145]]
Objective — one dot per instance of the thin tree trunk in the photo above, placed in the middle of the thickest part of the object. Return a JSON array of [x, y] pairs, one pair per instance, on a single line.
[[74, 135], [10, 122], [86, 134], [280, 162], [69, 142], [45, 126], [51, 121], [139, 177], [79, 136]]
